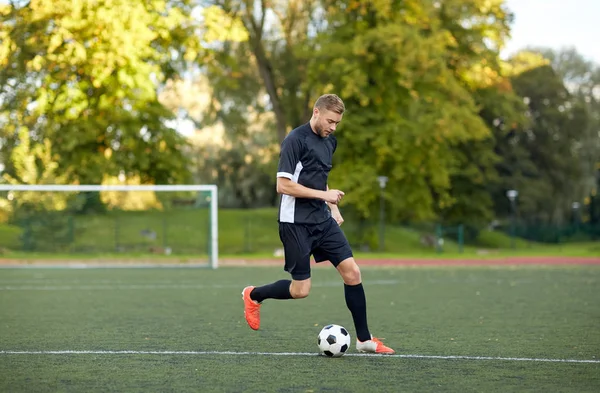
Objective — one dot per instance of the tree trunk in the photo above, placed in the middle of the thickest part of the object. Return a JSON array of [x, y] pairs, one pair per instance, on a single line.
[[255, 30], [266, 72]]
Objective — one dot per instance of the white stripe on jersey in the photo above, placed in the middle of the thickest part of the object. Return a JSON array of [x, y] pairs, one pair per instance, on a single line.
[[288, 202]]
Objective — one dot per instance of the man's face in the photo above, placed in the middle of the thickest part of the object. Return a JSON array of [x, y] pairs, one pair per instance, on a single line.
[[326, 122]]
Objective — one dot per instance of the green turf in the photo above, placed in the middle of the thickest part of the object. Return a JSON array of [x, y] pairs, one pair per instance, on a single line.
[[533, 312]]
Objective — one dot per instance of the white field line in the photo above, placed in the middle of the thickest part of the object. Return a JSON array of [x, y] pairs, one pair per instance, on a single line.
[[233, 353], [108, 286], [112, 287]]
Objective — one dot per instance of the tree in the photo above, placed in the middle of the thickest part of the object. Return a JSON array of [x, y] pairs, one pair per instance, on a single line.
[[582, 78], [275, 52], [505, 113], [84, 75], [407, 72], [406, 110], [255, 60], [233, 146], [33, 165], [477, 31], [551, 174], [40, 214]]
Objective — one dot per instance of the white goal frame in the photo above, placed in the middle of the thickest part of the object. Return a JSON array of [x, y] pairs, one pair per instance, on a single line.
[[214, 217]]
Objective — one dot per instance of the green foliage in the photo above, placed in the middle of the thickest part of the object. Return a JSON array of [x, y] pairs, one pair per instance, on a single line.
[[84, 74], [477, 29], [504, 113], [582, 78], [550, 176], [39, 215], [243, 66], [407, 110], [243, 169], [429, 103], [32, 165]]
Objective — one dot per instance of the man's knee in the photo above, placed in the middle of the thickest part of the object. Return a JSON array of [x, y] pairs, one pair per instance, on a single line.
[[350, 271], [300, 289]]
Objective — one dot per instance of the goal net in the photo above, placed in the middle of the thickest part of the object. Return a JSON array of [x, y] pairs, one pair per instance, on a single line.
[[145, 222]]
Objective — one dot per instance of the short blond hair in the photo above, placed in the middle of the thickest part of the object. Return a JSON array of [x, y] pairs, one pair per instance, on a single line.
[[330, 102]]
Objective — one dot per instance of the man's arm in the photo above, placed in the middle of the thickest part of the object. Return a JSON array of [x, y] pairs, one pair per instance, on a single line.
[[331, 205], [335, 211], [288, 187]]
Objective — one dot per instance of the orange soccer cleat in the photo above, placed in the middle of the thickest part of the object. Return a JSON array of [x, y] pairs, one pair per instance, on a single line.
[[251, 309], [374, 345]]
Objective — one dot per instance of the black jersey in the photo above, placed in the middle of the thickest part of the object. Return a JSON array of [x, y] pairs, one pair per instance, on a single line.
[[305, 158]]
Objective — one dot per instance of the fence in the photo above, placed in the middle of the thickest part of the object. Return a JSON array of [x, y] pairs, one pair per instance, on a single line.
[[185, 230]]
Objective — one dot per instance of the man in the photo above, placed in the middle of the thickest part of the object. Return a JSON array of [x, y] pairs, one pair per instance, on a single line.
[[308, 227]]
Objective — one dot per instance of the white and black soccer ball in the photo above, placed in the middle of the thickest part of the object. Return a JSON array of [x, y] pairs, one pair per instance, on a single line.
[[333, 341]]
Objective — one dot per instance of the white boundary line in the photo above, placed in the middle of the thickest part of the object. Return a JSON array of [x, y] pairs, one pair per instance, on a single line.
[[117, 286], [107, 285], [233, 353]]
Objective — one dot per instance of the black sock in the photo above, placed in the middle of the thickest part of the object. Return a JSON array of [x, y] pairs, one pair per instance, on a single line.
[[277, 290], [357, 304]]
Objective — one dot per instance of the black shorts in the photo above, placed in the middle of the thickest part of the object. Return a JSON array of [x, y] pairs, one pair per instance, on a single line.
[[325, 241]]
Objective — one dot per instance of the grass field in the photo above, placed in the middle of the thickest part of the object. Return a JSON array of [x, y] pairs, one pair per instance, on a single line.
[[185, 331], [241, 232]]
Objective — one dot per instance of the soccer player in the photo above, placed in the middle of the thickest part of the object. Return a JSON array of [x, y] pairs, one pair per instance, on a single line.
[[309, 222]]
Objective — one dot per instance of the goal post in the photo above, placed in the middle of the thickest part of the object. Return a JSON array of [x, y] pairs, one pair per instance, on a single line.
[[137, 202]]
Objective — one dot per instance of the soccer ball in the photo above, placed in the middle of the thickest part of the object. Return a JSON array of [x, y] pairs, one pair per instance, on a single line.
[[333, 341]]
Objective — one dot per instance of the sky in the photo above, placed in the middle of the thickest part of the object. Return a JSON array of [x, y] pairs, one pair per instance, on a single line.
[[556, 24]]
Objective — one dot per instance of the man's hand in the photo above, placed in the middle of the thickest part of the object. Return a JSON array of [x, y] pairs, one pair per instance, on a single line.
[[335, 213], [333, 196]]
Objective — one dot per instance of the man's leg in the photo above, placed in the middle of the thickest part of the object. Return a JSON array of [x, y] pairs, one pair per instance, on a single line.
[[253, 297], [297, 263], [357, 304], [281, 290], [354, 293], [277, 290], [334, 247]]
